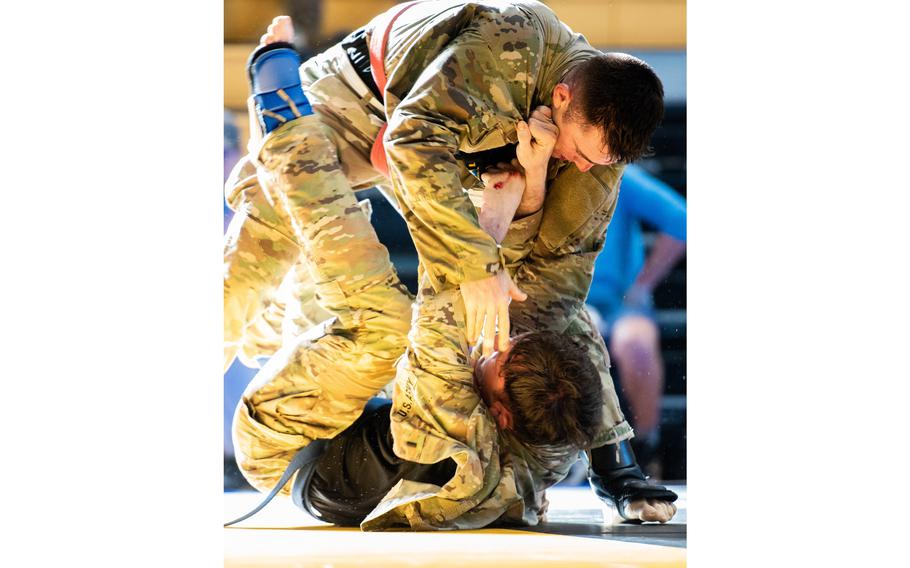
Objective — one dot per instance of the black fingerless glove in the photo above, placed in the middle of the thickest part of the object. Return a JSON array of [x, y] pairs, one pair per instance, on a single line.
[[614, 476]]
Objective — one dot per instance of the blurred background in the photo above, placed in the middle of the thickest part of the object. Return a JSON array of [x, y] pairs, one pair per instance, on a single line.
[[653, 30]]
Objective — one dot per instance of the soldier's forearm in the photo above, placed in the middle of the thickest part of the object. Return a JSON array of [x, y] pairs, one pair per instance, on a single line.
[[441, 219], [535, 191], [499, 208]]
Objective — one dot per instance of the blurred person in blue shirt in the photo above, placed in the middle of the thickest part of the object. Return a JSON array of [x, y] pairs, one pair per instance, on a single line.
[[622, 294]]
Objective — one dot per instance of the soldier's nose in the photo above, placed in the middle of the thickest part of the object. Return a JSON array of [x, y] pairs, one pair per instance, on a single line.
[[583, 165]]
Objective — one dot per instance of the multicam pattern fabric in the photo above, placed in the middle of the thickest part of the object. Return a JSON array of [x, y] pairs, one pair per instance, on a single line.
[[557, 270], [437, 413], [316, 387], [460, 76]]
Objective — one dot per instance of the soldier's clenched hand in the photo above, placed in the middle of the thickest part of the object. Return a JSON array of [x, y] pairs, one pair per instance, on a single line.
[[486, 301], [536, 139]]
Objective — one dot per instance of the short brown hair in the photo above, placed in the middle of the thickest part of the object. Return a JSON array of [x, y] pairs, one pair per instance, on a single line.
[[554, 389], [623, 97]]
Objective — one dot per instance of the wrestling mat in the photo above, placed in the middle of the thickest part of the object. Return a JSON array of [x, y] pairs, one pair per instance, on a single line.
[[575, 535]]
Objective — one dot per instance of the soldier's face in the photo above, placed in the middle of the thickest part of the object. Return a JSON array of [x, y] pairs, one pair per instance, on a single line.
[[488, 377], [491, 384], [577, 142]]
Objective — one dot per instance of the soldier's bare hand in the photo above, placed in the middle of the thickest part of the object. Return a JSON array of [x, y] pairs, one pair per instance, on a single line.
[[536, 139], [486, 302], [649, 510]]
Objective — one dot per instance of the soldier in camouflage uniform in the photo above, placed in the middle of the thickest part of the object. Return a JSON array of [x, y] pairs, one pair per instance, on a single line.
[[493, 63], [315, 387]]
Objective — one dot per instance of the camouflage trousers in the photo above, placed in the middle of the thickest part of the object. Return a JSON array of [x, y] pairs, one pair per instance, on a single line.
[[261, 249], [299, 216]]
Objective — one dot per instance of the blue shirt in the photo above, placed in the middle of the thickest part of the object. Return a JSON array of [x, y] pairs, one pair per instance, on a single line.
[[642, 197]]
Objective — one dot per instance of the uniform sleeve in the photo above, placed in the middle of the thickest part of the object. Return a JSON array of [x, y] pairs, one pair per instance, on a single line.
[[434, 395], [437, 412], [519, 238], [460, 99], [557, 274]]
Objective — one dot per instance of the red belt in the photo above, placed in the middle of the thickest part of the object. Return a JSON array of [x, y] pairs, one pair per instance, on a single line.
[[378, 41]]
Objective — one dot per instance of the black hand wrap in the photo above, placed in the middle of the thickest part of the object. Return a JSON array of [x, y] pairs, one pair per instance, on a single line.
[[614, 475]]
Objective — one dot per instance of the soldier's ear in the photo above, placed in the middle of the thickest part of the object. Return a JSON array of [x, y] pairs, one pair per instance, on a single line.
[[502, 415], [562, 96]]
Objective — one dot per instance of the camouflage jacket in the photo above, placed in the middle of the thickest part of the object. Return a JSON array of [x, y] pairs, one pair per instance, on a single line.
[[493, 64], [460, 77], [437, 412]]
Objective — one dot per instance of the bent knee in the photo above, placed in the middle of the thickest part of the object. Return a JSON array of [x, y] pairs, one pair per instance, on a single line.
[[261, 468], [385, 320], [634, 337]]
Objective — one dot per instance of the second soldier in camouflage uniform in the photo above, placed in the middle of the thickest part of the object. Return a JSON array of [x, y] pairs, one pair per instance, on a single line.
[[493, 64], [315, 387]]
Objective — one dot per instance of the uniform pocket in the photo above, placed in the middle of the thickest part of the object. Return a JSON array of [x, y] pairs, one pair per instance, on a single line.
[[344, 107]]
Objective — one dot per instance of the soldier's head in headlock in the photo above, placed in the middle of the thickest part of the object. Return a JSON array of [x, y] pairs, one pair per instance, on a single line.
[[606, 108], [544, 388]]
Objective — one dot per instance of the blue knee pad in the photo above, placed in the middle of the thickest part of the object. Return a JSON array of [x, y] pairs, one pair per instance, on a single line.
[[275, 81]]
